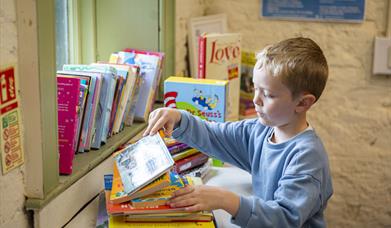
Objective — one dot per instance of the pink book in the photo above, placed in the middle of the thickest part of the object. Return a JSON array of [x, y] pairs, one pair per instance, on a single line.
[[67, 100]]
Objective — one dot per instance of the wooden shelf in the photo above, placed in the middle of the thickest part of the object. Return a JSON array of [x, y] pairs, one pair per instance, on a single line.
[[84, 162]]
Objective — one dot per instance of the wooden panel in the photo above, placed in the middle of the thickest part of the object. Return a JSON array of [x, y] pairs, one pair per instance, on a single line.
[[126, 24]]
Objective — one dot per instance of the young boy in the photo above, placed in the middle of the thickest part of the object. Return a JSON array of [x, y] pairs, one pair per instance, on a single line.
[[287, 160]]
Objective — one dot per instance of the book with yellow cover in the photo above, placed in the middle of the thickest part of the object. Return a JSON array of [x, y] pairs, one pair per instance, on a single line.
[[120, 222], [162, 196]]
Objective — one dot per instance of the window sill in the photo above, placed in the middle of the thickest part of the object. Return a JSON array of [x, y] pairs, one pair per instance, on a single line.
[[85, 162]]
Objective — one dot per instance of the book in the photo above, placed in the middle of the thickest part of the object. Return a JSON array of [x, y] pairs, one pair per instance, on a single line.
[[102, 218], [120, 222], [206, 98], [150, 70], [185, 153], [190, 162], [118, 194], [105, 100], [142, 162], [220, 58], [162, 196], [199, 171], [246, 106], [67, 102], [177, 148]]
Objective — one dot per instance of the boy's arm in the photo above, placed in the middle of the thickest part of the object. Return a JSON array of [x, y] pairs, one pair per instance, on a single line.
[[225, 141]]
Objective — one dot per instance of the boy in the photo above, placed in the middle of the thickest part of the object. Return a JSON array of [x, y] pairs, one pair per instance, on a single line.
[[287, 161]]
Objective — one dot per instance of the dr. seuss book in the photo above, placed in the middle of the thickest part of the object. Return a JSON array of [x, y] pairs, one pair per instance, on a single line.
[[205, 98], [219, 58], [142, 162]]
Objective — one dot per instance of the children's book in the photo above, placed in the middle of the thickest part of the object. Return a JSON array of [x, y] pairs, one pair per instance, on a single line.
[[118, 194], [206, 98], [219, 58], [120, 222], [162, 196], [67, 102], [105, 100], [190, 162], [150, 75], [185, 153], [246, 107], [142, 162]]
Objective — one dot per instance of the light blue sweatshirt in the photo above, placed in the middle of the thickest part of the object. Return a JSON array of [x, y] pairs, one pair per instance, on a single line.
[[291, 180]]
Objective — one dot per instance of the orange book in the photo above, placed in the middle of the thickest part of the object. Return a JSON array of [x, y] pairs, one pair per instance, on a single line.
[[118, 194]]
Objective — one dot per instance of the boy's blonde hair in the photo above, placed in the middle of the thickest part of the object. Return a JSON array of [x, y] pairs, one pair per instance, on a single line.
[[298, 62]]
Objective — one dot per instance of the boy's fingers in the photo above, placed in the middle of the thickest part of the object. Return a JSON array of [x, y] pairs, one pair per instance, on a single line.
[[159, 124], [151, 123]]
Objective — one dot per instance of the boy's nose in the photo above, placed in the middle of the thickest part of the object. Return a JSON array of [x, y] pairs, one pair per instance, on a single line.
[[257, 100]]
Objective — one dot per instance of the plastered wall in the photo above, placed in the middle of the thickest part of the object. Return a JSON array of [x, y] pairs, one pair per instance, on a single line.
[[12, 213], [353, 116]]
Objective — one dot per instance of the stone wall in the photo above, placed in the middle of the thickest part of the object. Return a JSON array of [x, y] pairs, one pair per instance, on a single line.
[[353, 116], [12, 212]]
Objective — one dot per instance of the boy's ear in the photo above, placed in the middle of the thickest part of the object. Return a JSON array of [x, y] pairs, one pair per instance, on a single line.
[[305, 102]]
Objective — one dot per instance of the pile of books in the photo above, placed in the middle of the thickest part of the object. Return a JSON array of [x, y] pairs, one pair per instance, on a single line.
[[98, 100], [143, 180], [188, 161]]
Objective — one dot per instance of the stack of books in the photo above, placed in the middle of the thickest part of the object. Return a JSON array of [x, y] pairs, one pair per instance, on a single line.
[[188, 161], [98, 100], [143, 180]]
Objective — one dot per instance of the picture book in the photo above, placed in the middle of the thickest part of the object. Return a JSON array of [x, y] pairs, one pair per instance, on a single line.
[[150, 75], [185, 153], [67, 102], [220, 58], [142, 162], [118, 194], [162, 196], [88, 129], [206, 98], [246, 105], [105, 100], [120, 222], [190, 162]]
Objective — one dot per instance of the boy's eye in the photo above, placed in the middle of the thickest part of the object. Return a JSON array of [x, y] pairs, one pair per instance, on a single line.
[[266, 94]]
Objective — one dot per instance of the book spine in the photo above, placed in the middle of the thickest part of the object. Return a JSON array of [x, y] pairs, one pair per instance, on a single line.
[[190, 162], [201, 56]]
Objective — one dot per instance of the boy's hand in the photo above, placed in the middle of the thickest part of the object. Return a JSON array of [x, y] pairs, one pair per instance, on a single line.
[[165, 118], [203, 197]]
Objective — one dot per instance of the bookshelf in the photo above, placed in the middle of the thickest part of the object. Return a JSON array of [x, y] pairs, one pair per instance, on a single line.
[[36, 71]]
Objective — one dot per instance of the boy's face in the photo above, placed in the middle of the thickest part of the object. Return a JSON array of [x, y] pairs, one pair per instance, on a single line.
[[273, 100]]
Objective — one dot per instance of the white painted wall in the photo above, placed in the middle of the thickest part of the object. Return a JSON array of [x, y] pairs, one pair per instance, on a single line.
[[12, 213], [353, 116]]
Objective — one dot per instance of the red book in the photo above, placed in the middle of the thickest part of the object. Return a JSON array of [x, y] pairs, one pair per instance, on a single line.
[[190, 162]]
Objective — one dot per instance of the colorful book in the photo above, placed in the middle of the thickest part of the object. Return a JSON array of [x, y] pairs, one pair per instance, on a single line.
[[120, 222], [162, 196], [177, 148], [118, 194], [246, 106], [67, 102], [190, 162], [142, 162], [206, 98], [150, 73], [219, 58], [185, 153], [105, 100]]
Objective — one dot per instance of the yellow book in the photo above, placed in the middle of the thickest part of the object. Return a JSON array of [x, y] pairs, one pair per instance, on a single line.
[[118, 194], [119, 222]]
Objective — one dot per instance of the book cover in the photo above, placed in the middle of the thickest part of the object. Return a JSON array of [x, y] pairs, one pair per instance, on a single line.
[[206, 98], [120, 222], [220, 58], [67, 102], [118, 194], [246, 106], [190, 162], [162, 196], [150, 74], [142, 162]]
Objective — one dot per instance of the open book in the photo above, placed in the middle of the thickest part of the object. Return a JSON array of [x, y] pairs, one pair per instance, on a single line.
[[142, 162]]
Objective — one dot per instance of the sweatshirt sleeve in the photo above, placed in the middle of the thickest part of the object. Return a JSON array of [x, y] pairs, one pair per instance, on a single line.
[[225, 141], [296, 199]]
